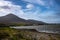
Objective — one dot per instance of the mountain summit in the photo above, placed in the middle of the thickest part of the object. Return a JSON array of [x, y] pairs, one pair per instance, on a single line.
[[11, 18]]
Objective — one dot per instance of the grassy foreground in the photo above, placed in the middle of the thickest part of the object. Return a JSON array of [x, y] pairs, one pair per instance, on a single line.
[[13, 34]]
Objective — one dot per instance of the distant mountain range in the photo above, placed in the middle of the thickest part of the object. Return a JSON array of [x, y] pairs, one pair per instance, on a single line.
[[12, 19]]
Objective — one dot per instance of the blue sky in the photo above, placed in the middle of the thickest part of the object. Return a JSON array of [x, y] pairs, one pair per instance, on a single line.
[[42, 10]]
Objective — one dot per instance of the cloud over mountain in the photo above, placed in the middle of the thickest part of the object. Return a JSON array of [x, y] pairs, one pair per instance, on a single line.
[[7, 7], [42, 10]]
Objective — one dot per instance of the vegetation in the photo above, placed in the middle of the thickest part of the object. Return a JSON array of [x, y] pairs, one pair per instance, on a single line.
[[13, 34], [3, 25], [16, 24]]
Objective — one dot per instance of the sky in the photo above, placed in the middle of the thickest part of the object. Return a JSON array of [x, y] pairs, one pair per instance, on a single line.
[[41, 10]]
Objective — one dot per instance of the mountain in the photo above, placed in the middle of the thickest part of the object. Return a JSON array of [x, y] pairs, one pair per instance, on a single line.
[[35, 21], [12, 19]]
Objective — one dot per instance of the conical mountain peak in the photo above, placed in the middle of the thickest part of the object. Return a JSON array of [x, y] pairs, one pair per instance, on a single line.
[[10, 14], [11, 18]]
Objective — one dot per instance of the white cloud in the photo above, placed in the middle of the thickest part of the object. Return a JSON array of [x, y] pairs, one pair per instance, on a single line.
[[7, 7], [5, 3], [49, 17], [35, 1], [46, 3], [30, 6]]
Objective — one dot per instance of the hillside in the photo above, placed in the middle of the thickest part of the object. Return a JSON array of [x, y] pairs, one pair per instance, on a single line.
[[13, 34], [12, 19]]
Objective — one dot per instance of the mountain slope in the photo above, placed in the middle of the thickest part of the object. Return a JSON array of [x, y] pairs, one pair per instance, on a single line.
[[11, 18], [36, 22]]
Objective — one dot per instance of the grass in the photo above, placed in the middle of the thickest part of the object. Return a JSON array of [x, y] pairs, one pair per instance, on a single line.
[[13, 34]]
